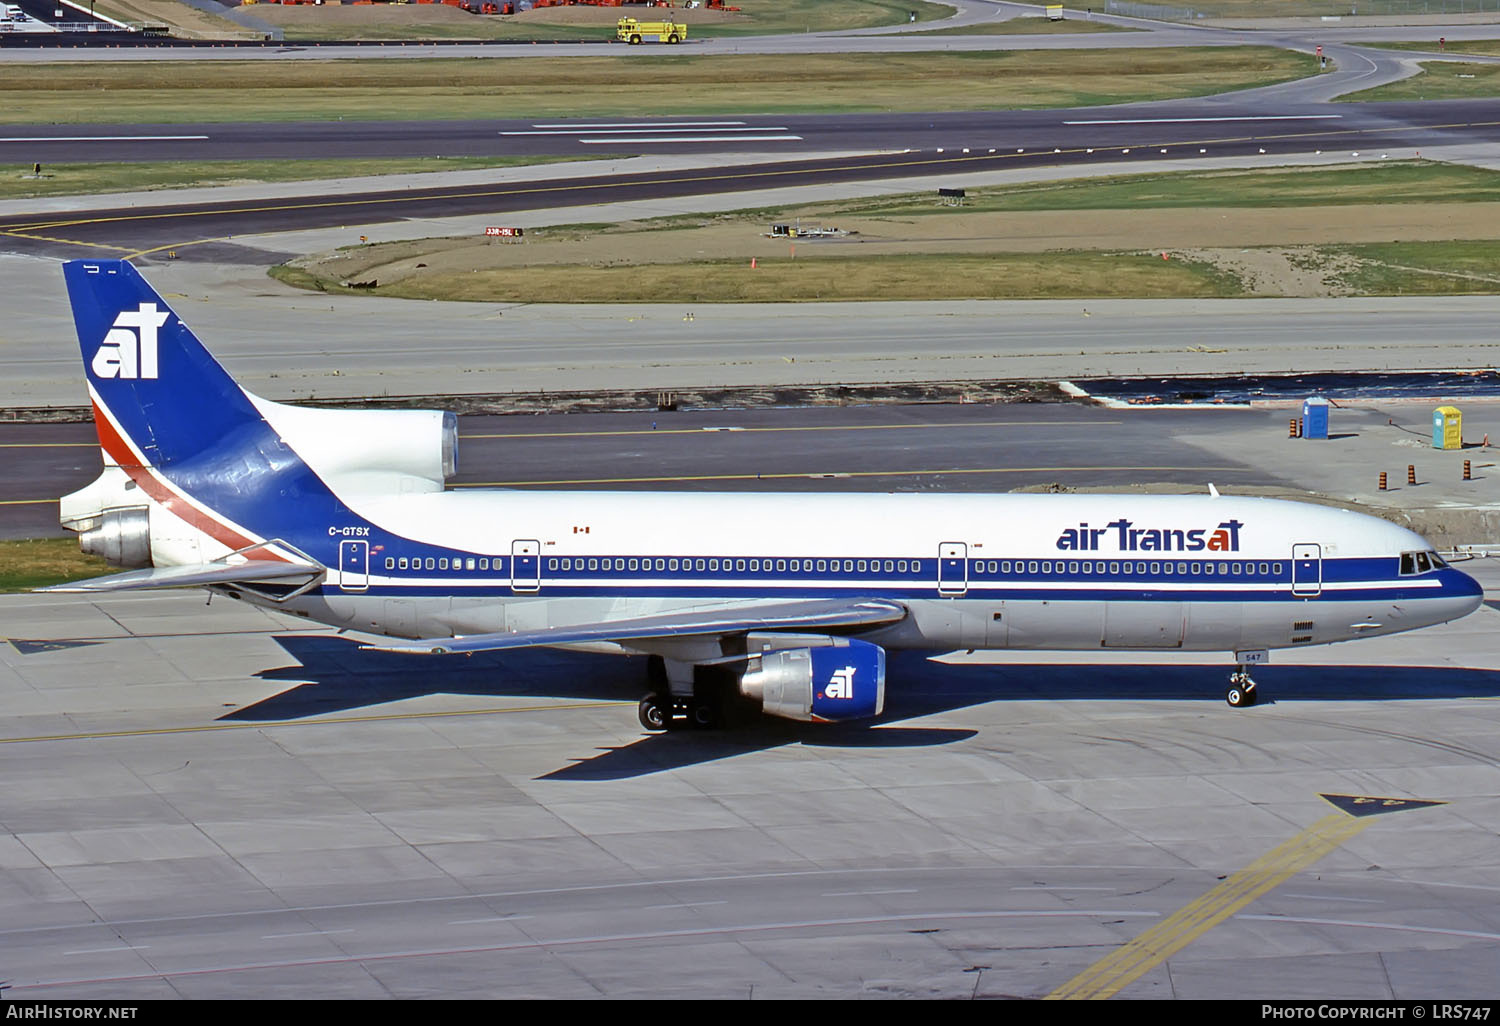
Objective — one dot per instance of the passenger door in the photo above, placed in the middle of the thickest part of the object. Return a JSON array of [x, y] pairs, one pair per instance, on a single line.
[[1307, 570], [953, 568], [354, 565], [525, 565]]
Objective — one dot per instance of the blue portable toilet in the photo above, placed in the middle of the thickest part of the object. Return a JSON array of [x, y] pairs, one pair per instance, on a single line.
[[1315, 417]]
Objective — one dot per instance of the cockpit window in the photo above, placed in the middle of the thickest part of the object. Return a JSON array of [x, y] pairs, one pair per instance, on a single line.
[[1413, 563]]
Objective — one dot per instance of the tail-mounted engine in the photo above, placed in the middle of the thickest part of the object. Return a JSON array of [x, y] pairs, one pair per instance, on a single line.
[[841, 680], [121, 536]]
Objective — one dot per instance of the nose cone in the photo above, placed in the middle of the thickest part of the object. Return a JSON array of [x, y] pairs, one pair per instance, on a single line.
[[1462, 593]]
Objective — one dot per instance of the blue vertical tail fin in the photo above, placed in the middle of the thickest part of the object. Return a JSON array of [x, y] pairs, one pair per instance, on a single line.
[[147, 372], [186, 435]]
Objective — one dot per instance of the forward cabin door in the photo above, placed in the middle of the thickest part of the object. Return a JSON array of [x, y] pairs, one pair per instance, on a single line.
[[1307, 570]]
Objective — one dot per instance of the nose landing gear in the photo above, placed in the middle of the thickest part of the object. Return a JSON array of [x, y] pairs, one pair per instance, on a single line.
[[1241, 692]]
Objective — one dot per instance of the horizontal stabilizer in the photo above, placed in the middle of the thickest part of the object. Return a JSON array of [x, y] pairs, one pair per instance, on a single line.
[[736, 619], [197, 576]]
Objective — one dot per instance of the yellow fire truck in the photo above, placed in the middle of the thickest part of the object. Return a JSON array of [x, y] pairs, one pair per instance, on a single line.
[[628, 30]]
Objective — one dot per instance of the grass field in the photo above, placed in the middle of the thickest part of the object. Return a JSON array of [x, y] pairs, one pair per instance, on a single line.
[[409, 21], [1391, 182], [934, 276], [1440, 80], [1423, 268], [39, 562], [1484, 47], [83, 179], [678, 84], [911, 247], [1348, 185], [756, 17], [775, 17], [475, 28], [1260, 9]]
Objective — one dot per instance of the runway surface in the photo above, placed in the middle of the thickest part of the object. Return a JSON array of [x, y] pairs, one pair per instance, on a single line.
[[217, 803], [925, 146], [1219, 121]]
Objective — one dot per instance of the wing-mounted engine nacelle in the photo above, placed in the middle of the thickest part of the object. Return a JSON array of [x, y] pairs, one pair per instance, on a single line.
[[842, 679], [121, 536]]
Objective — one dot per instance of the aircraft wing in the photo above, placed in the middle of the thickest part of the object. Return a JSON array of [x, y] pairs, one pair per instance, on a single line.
[[757, 616], [196, 576]]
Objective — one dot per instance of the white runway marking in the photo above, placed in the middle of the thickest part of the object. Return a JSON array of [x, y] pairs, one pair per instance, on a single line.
[[688, 904], [102, 951], [96, 138], [584, 125], [655, 129], [640, 132], [691, 139], [1182, 121], [1357, 924]]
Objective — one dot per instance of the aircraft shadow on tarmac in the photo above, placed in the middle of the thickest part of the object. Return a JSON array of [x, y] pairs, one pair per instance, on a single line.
[[334, 674]]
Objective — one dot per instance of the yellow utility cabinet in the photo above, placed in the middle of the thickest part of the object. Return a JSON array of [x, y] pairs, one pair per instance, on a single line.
[[1447, 428]]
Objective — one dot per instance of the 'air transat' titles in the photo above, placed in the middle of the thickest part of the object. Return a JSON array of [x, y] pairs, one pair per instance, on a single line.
[[1126, 537]]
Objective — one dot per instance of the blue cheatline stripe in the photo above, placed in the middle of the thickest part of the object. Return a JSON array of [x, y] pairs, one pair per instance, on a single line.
[[921, 574], [754, 590]]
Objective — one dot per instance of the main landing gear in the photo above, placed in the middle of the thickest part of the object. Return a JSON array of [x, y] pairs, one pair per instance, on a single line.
[[708, 705], [1241, 692], [667, 712]]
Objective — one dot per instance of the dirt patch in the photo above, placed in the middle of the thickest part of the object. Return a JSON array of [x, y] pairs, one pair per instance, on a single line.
[[187, 22], [1282, 270], [1273, 251], [343, 16]]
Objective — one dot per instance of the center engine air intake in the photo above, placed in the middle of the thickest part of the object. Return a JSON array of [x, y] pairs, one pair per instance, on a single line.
[[843, 680], [397, 451], [121, 536]]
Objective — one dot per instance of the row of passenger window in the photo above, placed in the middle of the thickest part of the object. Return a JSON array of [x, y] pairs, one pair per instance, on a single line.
[[981, 567], [739, 566], [441, 563], [1034, 568]]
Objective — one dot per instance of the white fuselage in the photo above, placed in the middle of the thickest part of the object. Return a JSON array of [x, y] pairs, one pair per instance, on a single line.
[[975, 571]]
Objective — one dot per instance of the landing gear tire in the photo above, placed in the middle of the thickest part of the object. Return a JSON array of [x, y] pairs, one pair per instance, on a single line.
[[1241, 691], [703, 716], [654, 714]]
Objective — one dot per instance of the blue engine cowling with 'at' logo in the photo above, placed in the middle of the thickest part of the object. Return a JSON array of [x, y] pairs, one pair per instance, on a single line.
[[842, 679]]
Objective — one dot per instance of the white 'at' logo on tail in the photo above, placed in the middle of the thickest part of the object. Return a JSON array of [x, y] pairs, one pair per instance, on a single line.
[[123, 354], [841, 684]]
